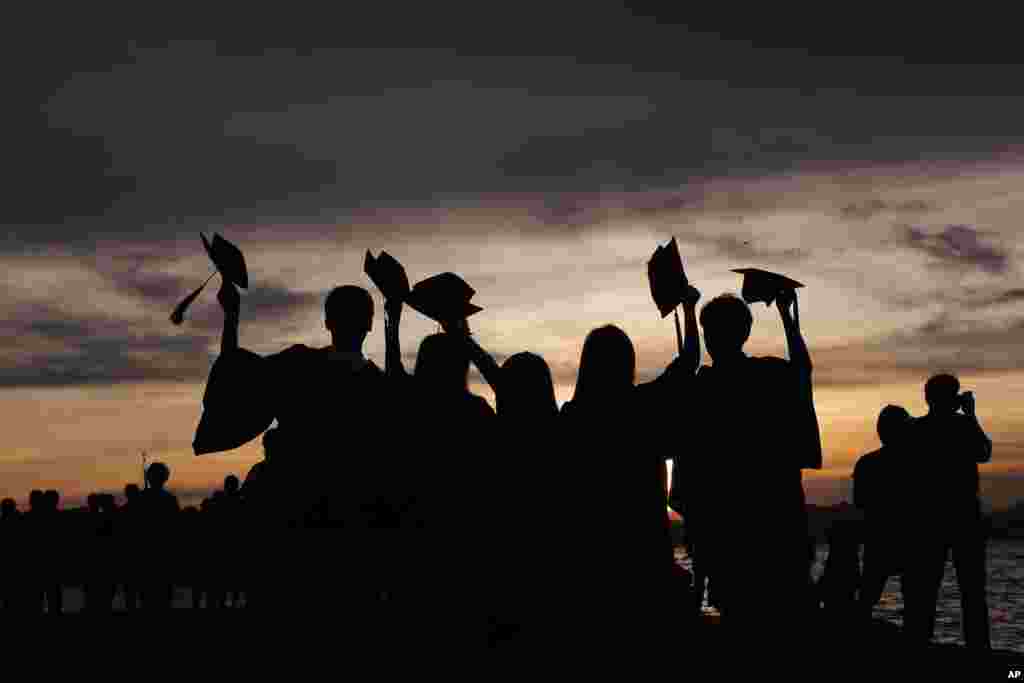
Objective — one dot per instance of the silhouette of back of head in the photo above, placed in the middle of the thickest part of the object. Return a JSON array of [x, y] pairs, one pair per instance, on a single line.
[[157, 475], [442, 364], [35, 500], [51, 499], [727, 322], [8, 508], [349, 315], [231, 485], [941, 393], [92, 501], [607, 364], [893, 422], [527, 390]]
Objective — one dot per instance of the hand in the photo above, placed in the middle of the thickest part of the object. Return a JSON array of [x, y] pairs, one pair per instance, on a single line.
[[967, 403], [691, 296], [229, 299], [785, 300]]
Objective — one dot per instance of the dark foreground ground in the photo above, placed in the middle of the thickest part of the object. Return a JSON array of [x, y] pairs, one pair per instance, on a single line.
[[391, 637]]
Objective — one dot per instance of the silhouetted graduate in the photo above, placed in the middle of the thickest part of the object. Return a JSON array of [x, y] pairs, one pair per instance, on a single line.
[[531, 512], [441, 468], [755, 421], [880, 485], [946, 446], [615, 426]]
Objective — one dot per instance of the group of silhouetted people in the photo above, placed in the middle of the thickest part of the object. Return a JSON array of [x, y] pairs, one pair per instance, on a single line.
[[919, 494], [397, 486], [445, 504], [139, 550]]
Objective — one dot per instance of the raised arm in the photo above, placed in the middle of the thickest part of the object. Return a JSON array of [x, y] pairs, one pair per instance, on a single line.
[[684, 366], [231, 303], [799, 356], [483, 361], [691, 336], [393, 366], [984, 444], [810, 456]]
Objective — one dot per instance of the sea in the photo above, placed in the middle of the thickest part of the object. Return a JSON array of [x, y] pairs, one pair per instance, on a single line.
[[1005, 564]]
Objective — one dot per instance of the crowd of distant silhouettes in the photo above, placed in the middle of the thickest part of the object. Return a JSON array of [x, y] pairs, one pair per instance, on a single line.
[[124, 549]]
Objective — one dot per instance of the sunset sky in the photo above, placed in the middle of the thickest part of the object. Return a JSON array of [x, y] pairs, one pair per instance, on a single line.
[[544, 169]]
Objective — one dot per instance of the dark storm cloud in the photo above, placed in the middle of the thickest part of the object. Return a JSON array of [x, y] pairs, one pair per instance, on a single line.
[[48, 349], [126, 137], [959, 246]]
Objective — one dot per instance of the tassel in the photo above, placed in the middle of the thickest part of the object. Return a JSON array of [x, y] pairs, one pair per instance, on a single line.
[[178, 316]]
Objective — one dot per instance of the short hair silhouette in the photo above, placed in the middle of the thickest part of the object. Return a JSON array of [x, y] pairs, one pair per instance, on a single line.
[[92, 501], [940, 392], [8, 508], [442, 364], [892, 420], [158, 474], [231, 484], [52, 499], [527, 389], [727, 323], [607, 363], [131, 491], [35, 500], [349, 311]]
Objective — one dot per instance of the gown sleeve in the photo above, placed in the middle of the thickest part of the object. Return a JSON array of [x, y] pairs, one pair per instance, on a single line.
[[241, 399]]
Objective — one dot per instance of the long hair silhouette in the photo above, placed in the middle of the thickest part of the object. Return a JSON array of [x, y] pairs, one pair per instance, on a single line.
[[607, 364], [527, 390], [442, 365]]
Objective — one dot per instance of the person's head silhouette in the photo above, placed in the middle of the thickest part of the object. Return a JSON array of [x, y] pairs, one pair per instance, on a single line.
[[892, 425], [51, 500], [349, 317], [442, 364], [157, 475], [726, 321], [131, 492], [8, 508], [231, 485], [92, 501], [941, 392], [527, 390], [607, 364]]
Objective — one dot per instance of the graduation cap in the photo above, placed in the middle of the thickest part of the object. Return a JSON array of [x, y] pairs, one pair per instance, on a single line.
[[667, 277], [230, 263], [761, 285], [443, 297], [388, 275]]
